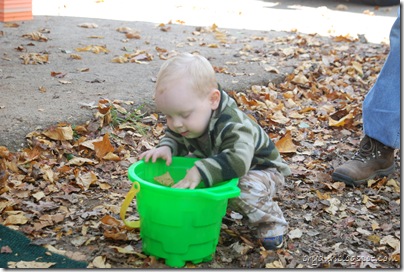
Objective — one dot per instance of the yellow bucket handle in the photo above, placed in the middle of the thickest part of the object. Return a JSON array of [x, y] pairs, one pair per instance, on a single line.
[[128, 199]]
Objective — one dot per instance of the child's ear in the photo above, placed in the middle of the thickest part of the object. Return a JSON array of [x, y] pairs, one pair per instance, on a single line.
[[214, 99]]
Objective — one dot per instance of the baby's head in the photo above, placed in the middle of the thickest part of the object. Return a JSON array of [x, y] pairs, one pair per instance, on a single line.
[[197, 71], [186, 92]]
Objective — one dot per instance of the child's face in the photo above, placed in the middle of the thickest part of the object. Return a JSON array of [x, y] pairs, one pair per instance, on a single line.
[[187, 113]]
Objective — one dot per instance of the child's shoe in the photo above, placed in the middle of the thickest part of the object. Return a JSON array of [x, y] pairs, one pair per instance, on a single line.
[[272, 243]]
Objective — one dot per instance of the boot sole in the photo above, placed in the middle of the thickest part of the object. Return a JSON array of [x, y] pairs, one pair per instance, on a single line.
[[356, 183]]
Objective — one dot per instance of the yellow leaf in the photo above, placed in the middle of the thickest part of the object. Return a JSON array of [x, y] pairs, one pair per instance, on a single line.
[[285, 144], [93, 48], [375, 225], [322, 196], [16, 218], [120, 59], [105, 186], [340, 122], [393, 183], [365, 199], [274, 264], [358, 67], [371, 182], [111, 157], [374, 238]]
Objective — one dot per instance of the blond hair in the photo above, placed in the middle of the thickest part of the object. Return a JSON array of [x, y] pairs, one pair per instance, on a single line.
[[195, 68]]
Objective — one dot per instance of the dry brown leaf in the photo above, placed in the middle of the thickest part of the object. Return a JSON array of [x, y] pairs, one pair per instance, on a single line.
[[111, 221], [99, 262], [279, 118], [274, 264], [285, 144], [86, 179], [27, 264], [115, 234], [16, 218], [88, 25], [165, 179], [36, 36], [80, 161], [59, 133], [75, 56], [103, 147], [34, 58]]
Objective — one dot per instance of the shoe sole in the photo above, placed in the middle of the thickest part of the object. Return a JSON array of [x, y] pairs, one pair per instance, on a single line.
[[356, 183], [275, 247]]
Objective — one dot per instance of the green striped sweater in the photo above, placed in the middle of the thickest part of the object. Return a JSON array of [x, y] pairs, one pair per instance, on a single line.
[[232, 145]]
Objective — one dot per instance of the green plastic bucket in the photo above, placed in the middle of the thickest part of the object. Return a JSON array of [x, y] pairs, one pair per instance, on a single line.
[[179, 225]]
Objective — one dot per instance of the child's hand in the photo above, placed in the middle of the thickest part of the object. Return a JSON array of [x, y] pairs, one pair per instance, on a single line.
[[163, 152], [191, 179]]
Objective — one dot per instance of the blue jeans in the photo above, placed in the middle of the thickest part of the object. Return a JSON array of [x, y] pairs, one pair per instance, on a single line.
[[381, 107]]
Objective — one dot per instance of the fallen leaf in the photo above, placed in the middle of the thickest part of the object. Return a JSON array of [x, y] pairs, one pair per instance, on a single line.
[[165, 179], [61, 133], [88, 25], [102, 147], [274, 264], [96, 49], [86, 179], [16, 218], [285, 144], [295, 234], [32, 264], [99, 262]]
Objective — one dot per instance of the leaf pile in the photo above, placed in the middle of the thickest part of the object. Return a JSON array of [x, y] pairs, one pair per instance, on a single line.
[[65, 190]]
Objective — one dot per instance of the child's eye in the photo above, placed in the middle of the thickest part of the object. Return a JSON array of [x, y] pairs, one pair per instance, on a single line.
[[185, 116]]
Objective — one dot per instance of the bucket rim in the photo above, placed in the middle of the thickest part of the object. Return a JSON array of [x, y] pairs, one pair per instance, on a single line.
[[133, 177]]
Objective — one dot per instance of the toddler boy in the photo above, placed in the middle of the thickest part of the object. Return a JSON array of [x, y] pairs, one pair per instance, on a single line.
[[204, 121]]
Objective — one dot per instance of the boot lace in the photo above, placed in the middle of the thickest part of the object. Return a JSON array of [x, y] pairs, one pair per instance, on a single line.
[[368, 150]]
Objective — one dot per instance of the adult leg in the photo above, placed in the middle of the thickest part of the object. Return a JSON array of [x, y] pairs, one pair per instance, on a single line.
[[381, 120]]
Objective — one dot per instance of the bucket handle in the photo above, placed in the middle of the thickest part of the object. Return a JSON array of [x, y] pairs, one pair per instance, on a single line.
[[221, 192], [128, 199]]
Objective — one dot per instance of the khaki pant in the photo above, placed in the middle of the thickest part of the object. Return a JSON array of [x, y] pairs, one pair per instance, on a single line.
[[258, 187]]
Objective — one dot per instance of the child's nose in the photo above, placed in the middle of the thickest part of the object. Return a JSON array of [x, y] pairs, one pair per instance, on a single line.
[[177, 123]]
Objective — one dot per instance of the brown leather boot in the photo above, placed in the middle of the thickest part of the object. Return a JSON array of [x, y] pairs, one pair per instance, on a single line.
[[373, 159]]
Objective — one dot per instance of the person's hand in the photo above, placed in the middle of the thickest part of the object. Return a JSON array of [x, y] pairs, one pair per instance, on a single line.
[[191, 179], [163, 152]]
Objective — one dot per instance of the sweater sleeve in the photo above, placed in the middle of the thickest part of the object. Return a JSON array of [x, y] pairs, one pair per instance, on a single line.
[[234, 157], [175, 142]]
